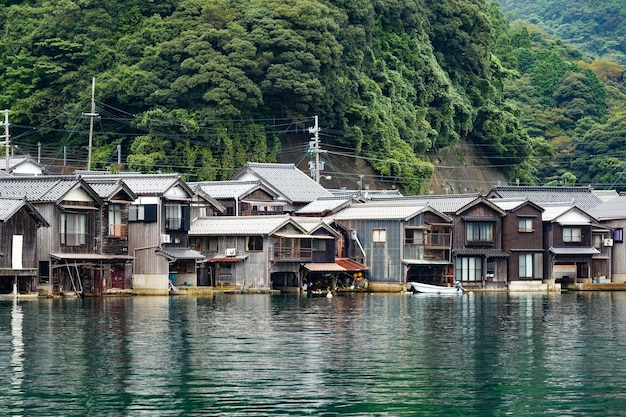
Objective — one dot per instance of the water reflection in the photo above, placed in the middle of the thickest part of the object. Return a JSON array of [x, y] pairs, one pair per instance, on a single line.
[[470, 355]]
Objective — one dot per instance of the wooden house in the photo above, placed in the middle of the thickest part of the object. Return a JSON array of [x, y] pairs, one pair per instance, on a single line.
[[65, 250], [326, 270], [158, 227], [112, 234], [478, 255], [522, 240], [260, 252], [294, 189], [19, 221], [574, 255], [242, 198], [393, 240], [612, 213]]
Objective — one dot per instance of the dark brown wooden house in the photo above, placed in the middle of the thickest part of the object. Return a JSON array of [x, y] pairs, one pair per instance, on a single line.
[[478, 256], [19, 222], [522, 240]]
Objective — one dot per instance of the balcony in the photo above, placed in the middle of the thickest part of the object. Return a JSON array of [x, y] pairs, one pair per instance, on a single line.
[[117, 230], [291, 254]]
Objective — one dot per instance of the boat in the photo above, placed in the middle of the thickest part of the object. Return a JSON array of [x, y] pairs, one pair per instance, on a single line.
[[419, 287]]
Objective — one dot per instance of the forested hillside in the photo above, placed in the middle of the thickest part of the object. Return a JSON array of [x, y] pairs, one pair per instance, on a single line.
[[596, 27], [203, 86]]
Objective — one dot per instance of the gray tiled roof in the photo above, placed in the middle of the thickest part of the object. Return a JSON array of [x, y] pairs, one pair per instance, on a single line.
[[574, 250], [237, 226], [142, 184], [288, 180], [9, 206], [226, 189], [582, 197], [322, 205], [39, 188], [612, 209], [446, 204], [371, 211], [108, 188], [508, 204], [371, 194]]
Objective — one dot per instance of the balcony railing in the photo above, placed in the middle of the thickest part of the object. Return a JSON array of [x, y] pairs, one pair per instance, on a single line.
[[117, 230], [283, 253]]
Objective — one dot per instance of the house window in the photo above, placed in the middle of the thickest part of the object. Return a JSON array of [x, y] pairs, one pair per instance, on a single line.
[[618, 235], [572, 234], [174, 216], [255, 243], [142, 213], [412, 236], [73, 229], [525, 225], [526, 266], [479, 232], [116, 227], [204, 244], [469, 269], [226, 269], [379, 235], [319, 245]]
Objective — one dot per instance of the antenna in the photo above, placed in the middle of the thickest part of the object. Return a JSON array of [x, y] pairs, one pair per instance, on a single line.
[[91, 115], [314, 149]]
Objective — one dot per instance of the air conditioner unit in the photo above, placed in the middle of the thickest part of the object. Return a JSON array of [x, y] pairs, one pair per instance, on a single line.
[[166, 239], [230, 251], [608, 242]]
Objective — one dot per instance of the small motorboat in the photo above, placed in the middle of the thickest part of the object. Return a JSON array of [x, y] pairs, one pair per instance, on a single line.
[[419, 287]]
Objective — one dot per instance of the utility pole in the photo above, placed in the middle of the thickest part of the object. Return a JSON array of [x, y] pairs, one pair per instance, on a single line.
[[6, 140], [314, 149], [91, 115]]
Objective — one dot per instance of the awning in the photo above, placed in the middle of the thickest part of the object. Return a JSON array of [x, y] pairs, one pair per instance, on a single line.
[[296, 236], [489, 253], [324, 267], [226, 259], [340, 265], [90, 256], [180, 254], [351, 265], [426, 262], [76, 207], [479, 218], [574, 250]]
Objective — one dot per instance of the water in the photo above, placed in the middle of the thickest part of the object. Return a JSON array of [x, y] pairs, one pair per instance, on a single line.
[[387, 355]]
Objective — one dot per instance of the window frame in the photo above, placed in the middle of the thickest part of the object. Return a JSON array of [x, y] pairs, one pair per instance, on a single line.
[[529, 270], [254, 243], [379, 235], [571, 237], [475, 232], [77, 237]]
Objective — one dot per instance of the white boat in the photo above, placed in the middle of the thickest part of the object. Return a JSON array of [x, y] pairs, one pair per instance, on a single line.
[[418, 287]]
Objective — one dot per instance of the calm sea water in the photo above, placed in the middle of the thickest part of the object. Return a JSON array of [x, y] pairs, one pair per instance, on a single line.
[[470, 355]]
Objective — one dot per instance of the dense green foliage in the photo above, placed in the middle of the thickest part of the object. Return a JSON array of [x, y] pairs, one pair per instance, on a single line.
[[596, 27], [206, 85], [203, 86]]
